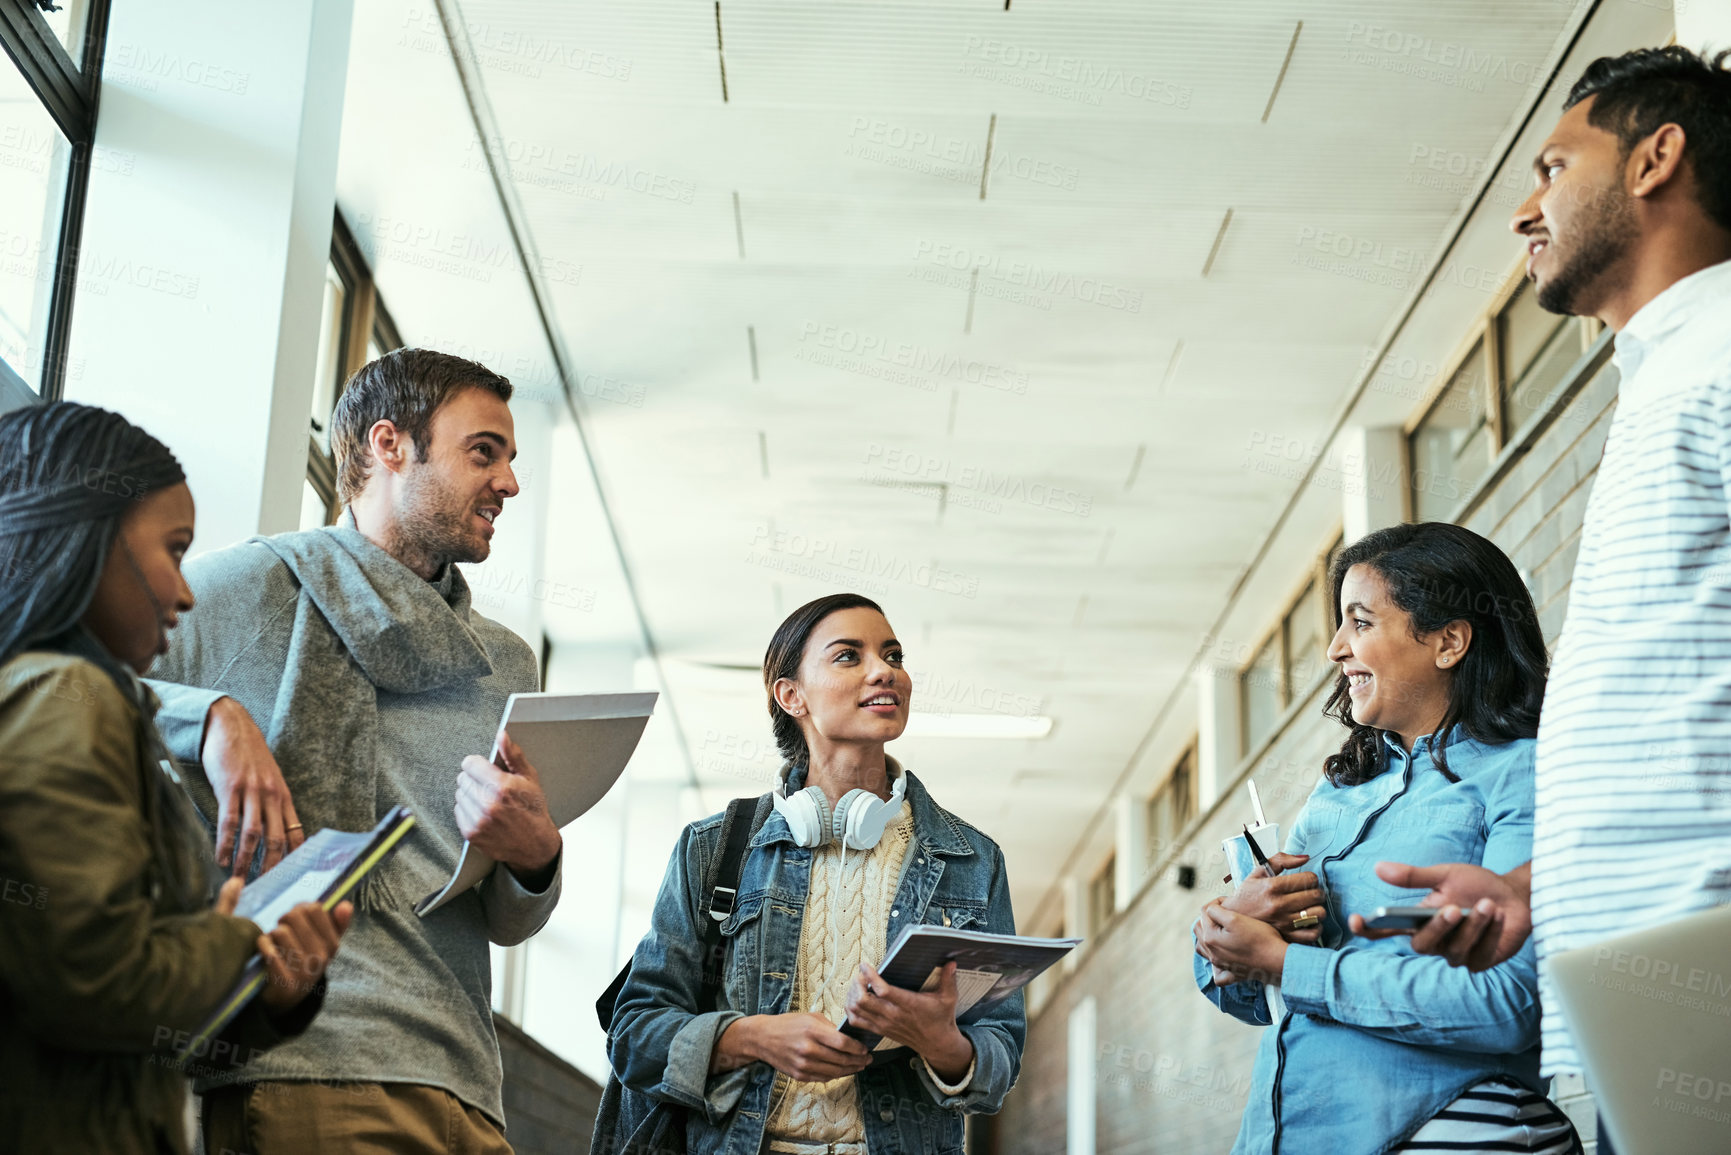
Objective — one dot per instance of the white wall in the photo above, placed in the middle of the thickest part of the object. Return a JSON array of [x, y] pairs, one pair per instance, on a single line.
[[202, 266], [1704, 24]]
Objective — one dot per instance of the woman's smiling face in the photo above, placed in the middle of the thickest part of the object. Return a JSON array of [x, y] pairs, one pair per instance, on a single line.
[[852, 687], [1398, 682]]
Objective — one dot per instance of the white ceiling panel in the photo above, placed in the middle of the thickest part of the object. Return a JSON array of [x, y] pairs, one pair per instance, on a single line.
[[982, 312]]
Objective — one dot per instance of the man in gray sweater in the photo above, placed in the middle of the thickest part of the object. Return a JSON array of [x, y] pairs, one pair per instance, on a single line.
[[329, 675]]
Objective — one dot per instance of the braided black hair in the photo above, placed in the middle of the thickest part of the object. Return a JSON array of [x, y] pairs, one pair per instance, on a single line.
[[68, 475]]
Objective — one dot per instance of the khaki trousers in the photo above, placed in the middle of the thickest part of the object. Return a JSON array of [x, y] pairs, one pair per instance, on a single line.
[[358, 1118]]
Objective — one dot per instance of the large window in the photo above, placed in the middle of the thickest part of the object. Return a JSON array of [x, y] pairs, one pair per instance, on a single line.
[[1172, 807], [1514, 363], [354, 327], [1536, 349], [1290, 659], [1103, 896], [48, 87], [1453, 446]]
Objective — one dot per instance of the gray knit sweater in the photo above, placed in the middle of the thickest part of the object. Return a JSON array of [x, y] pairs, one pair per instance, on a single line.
[[371, 685]]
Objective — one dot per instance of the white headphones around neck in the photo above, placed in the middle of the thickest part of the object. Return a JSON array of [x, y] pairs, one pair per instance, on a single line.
[[857, 822]]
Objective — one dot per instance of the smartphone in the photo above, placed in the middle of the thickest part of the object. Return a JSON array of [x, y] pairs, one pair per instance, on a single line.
[[1400, 917]]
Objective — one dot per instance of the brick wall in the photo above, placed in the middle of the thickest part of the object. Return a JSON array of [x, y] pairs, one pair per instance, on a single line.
[[549, 1104], [1172, 1073]]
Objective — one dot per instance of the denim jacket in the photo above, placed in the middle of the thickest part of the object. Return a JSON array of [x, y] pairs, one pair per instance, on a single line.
[[659, 1046], [1377, 1039]]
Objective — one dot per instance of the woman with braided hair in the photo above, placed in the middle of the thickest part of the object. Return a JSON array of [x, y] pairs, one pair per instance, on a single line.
[[110, 950]]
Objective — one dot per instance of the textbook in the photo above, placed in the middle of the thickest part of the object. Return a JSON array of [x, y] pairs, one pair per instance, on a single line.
[[989, 969], [324, 869], [579, 745]]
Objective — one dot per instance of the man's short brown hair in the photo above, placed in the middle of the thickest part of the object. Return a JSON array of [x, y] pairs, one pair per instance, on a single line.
[[405, 387]]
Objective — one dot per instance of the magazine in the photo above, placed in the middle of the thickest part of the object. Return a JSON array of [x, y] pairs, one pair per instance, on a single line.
[[989, 969]]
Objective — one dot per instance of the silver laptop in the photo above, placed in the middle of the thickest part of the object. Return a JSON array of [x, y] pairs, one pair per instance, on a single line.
[[1650, 1013]]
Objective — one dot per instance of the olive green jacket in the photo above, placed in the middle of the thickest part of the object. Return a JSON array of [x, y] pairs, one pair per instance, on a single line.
[[98, 979]]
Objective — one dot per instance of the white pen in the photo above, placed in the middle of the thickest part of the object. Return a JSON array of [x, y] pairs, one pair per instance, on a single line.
[[1256, 803]]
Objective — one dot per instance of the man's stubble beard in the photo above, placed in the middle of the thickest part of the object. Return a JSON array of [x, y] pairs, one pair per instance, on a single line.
[[433, 523], [1604, 241]]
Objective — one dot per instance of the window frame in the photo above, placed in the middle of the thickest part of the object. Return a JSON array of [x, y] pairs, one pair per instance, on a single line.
[[1164, 826], [1315, 583], [1103, 894], [1275, 638], [68, 91], [364, 317], [1484, 336]]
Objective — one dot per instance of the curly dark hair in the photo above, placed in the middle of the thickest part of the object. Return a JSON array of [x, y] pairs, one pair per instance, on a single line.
[[1440, 573], [1638, 92], [782, 659]]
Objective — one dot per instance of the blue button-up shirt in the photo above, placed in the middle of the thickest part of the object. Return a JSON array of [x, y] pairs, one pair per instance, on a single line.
[[1377, 1039]]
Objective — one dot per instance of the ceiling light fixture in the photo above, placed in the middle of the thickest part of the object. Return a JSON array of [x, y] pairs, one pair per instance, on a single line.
[[1025, 726]]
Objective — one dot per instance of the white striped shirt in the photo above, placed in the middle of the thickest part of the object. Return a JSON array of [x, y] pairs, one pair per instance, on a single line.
[[1633, 823], [1497, 1115]]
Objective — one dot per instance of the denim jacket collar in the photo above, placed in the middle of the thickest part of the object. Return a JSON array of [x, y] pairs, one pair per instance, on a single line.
[[932, 825]]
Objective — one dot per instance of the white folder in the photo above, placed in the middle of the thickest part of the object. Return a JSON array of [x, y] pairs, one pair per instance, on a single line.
[[578, 743]]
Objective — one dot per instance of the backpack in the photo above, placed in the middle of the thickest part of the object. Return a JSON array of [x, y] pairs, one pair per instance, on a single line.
[[630, 1122]]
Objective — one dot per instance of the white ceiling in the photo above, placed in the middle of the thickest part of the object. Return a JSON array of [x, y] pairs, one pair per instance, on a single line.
[[1116, 372]]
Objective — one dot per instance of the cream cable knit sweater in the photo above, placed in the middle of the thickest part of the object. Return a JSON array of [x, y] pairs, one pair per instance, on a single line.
[[862, 891]]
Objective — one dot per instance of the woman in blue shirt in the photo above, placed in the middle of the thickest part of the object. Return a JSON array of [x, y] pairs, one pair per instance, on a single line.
[[1442, 672]]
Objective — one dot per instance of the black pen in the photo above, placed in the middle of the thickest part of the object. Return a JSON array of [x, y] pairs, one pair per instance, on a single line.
[[1261, 859]]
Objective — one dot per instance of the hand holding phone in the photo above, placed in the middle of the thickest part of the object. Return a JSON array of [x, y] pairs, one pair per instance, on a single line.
[[1400, 918]]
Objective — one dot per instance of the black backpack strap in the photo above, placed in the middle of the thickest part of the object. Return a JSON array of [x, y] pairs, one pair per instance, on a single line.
[[721, 889], [719, 895]]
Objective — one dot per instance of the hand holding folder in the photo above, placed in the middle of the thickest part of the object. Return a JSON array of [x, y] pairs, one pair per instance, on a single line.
[[578, 744], [502, 807]]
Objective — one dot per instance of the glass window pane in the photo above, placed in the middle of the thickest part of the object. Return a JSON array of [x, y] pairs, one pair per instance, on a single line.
[[1545, 376], [329, 364], [34, 158], [1183, 791], [1103, 895], [1451, 448], [1264, 693], [375, 347], [1159, 826], [1171, 808], [67, 23], [1523, 329], [313, 510], [1305, 642]]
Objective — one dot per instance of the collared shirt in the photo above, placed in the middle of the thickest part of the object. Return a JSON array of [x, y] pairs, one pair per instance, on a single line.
[[1423, 1030], [1634, 758]]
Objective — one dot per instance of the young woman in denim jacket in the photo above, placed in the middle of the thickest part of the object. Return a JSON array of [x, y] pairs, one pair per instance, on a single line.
[[1442, 671], [768, 1070]]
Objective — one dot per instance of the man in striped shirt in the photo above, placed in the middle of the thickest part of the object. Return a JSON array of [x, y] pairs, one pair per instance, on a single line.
[[1630, 223]]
